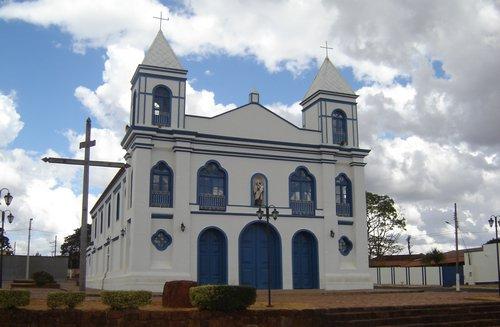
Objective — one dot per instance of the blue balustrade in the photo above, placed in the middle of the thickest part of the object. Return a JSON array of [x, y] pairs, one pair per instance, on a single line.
[[212, 202], [302, 208], [161, 199]]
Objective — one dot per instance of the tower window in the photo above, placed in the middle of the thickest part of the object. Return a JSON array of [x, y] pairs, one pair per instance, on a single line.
[[343, 196], [162, 101], [161, 186], [339, 121]]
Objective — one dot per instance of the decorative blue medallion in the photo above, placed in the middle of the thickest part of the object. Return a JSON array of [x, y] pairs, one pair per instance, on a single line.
[[161, 239], [345, 245]]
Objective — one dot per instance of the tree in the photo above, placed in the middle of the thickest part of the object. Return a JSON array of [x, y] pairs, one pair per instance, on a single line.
[[385, 224], [71, 247], [433, 257], [6, 243], [493, 241]]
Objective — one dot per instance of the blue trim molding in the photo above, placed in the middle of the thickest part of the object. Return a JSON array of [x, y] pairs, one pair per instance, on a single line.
[[161, 216], [161, 240]]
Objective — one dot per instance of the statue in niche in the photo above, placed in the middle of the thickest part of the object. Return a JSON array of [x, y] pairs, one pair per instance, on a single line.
[[258, 191]]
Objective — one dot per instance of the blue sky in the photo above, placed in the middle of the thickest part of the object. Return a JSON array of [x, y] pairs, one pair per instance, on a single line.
[[44, 71], [428, 111]]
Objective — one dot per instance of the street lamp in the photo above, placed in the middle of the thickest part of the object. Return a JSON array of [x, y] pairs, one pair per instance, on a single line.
[[7, 197], [491, 221], [274, 215], [10, 218]]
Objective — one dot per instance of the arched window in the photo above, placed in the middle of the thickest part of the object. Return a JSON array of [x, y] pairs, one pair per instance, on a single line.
[[161, 186], [212, 187], [302, 190], [339, 122], [134, 100], [343, 196], [162, 99], [258, 190]]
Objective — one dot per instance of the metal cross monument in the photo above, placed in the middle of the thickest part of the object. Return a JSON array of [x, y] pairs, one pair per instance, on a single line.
[[86, 163], [326, 48], [161, 18]]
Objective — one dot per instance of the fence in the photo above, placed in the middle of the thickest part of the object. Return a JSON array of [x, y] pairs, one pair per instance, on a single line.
[[439, 276]]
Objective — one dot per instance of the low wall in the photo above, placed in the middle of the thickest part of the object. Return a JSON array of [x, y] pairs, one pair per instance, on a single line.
[[50, 318], [407, 275], [14, 266]]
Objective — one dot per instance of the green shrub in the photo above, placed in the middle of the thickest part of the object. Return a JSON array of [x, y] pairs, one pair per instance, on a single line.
[[14, 298], [222, 297], [43, 278], [71, 299], [120, 300]]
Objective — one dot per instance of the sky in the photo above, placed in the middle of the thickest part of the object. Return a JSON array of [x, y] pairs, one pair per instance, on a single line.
[[426, 74]]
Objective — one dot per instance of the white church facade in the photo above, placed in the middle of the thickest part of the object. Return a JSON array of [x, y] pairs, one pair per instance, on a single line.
[[185, 208]]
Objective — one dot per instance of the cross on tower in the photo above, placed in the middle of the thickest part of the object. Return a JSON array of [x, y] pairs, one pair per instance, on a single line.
[[161, 19], [326, 48], [86, 163]]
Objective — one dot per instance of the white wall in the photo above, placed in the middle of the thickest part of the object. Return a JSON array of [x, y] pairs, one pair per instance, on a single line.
[[481, 266], [406, 275]]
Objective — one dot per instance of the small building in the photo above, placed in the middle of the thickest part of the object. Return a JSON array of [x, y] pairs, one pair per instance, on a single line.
[[481, 265], [185, 208]]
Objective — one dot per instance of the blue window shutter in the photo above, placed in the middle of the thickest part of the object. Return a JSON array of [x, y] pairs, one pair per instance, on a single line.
[[339, 125], [343, 196], [212, 187], [162, 106], [161, 187]]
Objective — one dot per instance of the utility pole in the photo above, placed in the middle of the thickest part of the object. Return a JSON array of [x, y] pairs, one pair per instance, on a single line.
[[55, 245], [86, 163], [409, 245], [28, 253], [14, 251], [457, 274]]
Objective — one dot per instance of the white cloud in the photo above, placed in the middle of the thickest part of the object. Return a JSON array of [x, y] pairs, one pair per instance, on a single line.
[[10, 121], [203, 103]]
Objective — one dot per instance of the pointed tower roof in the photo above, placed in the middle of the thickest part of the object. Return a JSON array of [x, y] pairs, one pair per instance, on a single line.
[[160, 54], [329, 79]]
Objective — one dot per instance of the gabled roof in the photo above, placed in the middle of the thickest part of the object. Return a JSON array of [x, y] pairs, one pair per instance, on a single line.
[[160, 54], [329, 79]]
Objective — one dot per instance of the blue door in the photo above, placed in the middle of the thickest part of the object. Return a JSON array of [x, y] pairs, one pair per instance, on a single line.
[[212, 257], [449, 275], [305, 260], [254, 247]]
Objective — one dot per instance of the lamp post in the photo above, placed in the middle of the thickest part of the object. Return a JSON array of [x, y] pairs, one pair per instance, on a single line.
[[274, 215], [10, 217], [491, 221]]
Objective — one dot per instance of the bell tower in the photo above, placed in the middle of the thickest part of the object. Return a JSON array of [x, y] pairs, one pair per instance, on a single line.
[[159, 88], [330, 106]]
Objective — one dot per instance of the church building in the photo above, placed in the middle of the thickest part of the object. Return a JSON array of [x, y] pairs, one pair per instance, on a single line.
[[186, 206]]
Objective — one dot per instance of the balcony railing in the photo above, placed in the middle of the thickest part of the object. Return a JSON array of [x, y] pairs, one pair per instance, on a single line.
[[339, 138], [344, 210], [212, 202], [160, 199], [302, 208], [161, 119]]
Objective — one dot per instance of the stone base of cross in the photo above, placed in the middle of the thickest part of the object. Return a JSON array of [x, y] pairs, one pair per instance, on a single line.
[[86, 163]]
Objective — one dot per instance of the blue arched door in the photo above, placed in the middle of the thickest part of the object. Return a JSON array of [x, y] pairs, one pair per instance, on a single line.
[[305, 260], [254, 256], [212, 257]]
